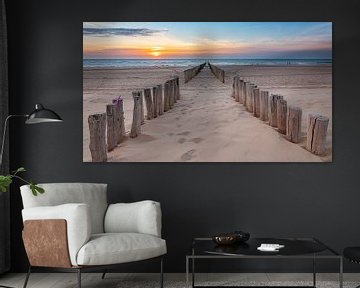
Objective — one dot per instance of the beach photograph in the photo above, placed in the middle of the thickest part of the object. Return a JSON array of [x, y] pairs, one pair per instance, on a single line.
[[207, 92]]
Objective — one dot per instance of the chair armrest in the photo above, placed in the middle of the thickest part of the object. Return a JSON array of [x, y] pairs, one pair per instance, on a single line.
[[138, 217], [78, 223]]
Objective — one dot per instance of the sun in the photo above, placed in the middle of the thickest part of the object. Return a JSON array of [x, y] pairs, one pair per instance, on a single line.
[[155, 51]]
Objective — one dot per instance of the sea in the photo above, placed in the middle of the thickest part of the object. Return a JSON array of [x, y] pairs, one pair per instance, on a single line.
[[128, 63]]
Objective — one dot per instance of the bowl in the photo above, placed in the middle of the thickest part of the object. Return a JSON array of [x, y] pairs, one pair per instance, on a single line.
[[225, 239]]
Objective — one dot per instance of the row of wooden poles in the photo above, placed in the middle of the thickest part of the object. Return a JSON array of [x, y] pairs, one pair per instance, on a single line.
[[219, 73], [192, 72], [287, 119], [107, 130]]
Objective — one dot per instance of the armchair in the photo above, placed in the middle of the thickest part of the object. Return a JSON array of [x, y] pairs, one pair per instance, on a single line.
[[71, 228]]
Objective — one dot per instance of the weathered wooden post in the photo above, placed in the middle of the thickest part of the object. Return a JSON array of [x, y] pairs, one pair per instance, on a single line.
[[155, 101], [256, 102], [240, 91], [173, 91], [112, 128], [97, 128], [316, 133], [166, 97], [245, 91], [264, 105], [273, 109], [171, 94], [136, 123], [121, 128], [177, 82], [160, 99], [250, 100], [142, 109], [281, 115], [149, 104], [236, 88], [293, 127]]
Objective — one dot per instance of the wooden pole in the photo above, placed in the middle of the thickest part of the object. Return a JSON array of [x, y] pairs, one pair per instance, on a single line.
[[149, 104], [273, 109], [177, 82], [97, 128], [293, 127], [166, 96], [250, 100], [240, 91], [316, 133], [160, 99], [136, 123], [142, 109], [281, 115], [245, 92], [173, 91], [236, 88], [155, 101], [256, 102], [264, 105], [121, 120], [111, 129]]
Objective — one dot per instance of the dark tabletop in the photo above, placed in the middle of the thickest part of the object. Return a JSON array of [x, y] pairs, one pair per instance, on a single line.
[[292, 247]]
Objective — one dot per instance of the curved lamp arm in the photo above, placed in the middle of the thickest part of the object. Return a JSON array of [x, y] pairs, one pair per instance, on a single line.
[[4, 133]]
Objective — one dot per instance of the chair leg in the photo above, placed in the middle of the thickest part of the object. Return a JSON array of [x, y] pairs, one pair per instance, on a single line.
[[161, 272], [103, 275], [27, 277], [79, 277]]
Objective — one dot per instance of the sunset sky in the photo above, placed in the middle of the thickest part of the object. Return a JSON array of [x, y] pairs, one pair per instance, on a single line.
[[246, 40]]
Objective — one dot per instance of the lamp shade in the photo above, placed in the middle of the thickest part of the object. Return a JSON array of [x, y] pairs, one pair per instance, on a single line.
[[42, 115]]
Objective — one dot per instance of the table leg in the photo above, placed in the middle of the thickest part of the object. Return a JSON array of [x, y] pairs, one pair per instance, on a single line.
[[341, 273], [193, 272], [314, 271], [187, 272]]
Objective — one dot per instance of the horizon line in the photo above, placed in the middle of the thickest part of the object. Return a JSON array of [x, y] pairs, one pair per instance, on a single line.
[[207, 58]]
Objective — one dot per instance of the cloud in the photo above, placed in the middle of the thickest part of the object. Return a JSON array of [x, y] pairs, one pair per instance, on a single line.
[[106, 32]]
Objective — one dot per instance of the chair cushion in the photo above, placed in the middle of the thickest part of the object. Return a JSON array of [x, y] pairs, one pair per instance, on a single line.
[[56, 194], [352, 253], [138, 217], [114, 248]]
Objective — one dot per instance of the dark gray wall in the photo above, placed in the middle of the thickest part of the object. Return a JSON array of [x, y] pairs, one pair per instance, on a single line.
[[320, 200]]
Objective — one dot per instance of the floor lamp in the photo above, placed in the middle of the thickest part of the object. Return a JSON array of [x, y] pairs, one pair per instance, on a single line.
[[39, 115]]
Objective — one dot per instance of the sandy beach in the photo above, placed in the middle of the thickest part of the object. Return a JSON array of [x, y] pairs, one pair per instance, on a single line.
[[206, 124]]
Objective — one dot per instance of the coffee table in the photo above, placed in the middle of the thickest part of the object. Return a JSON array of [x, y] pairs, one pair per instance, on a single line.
[[295, 248]]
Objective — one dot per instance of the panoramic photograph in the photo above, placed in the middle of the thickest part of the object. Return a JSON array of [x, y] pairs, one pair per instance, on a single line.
[[207, 92]]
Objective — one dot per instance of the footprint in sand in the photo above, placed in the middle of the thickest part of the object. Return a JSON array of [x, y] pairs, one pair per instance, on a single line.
[[171, 134], [196, 140], [188, 155], [181, 140], [184, 133]]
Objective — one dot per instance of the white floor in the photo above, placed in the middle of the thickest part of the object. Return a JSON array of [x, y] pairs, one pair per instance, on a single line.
[[116, 280]]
